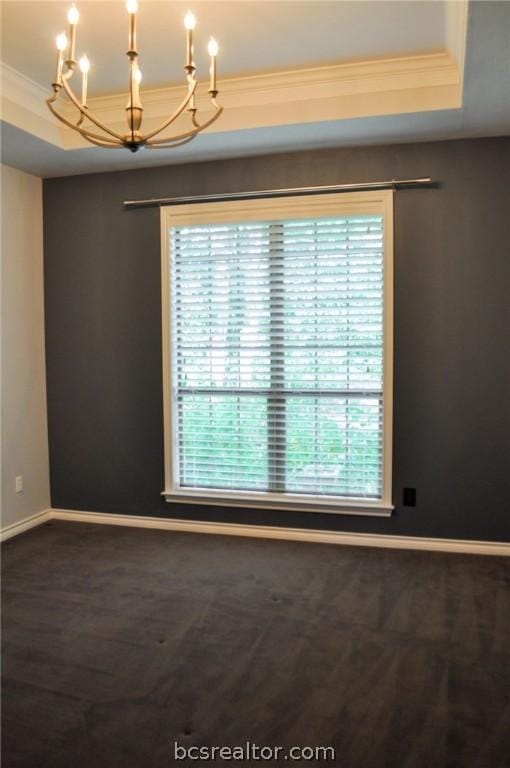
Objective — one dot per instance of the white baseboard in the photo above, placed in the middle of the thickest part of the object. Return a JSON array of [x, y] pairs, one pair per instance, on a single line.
[[24, 525], [288, 534], [500, 548]]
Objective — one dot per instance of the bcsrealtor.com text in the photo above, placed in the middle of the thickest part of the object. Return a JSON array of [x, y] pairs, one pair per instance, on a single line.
[[251, 751]]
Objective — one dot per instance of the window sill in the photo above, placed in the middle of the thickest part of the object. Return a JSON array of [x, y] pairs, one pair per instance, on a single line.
[[295, 502]]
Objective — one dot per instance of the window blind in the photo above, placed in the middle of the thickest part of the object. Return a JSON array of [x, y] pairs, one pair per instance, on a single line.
[[277, 346]]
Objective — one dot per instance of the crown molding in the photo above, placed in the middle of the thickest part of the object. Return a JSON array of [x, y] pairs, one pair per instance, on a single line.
[[456, 19], [23, 104], [405, 84]]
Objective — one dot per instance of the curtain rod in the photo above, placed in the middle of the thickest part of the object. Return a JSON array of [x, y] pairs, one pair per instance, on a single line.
[[291, 192]]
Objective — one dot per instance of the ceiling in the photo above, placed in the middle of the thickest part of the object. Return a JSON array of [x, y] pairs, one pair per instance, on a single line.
[[254, 36], [294, 75]]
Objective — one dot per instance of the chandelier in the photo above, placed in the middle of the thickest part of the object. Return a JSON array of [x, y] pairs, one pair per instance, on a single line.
[[86, 122]]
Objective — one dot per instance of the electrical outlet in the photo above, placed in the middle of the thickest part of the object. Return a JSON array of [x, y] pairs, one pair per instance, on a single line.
[[409, 497], [19, 484]]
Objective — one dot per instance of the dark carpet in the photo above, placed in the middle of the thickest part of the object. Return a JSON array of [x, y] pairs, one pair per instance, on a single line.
[[119, 641]]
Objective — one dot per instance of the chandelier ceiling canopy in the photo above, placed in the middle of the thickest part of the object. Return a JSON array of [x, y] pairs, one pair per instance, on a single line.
[[134, 139]]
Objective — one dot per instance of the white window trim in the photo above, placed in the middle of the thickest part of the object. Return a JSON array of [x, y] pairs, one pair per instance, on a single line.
[[310, 206]]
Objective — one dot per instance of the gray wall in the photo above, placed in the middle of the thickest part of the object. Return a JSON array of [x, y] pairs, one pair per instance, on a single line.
[[452, 328]]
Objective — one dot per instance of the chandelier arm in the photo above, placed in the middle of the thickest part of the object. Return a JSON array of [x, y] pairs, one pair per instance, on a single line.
[[218, 109], [171, 144], [199, 127], [70, 72], [89, 115], [102, 143], [107, 142], [179, 137], [67, 76], [180, 109], [85, 133]]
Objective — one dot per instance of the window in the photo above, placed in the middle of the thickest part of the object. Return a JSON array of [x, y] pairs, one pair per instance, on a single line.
[[277, 352]]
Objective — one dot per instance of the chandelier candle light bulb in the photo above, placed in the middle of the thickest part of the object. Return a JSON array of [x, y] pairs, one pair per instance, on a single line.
[[88, 125], [84, 68], [132, 8], [73, 18], [189, 23], [212, 49], [61, 47]]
